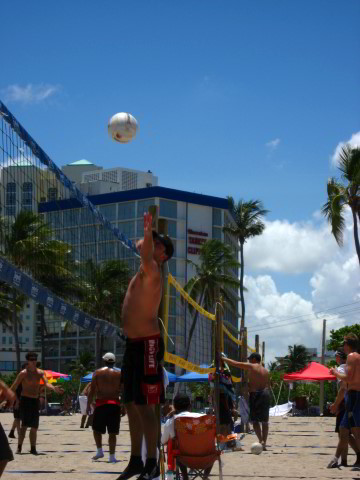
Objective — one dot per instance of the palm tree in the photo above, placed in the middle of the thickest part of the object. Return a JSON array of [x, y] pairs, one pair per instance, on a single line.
[[340, 196], [248, 220], [211, 280], [296, 359], [27, 242], [105, 288]]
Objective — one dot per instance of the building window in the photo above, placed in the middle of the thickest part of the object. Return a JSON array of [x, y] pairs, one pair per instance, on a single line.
[[216, 214], [109, 211], [71, 218], [4, 329], [27, 340], [52, 194], [172, 228], [168, 209], [126, 210], [11, 193], [27, 328], [10, 340], [4, 340], [27, 189], [216, 233], [127, 228], [87, 217], [143, 206]]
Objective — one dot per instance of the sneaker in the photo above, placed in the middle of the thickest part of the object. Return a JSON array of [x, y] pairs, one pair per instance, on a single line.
[[145, 475], [133, 468], [11, 434], [33, 451], [333, 464], [19, 449], [344, 463]]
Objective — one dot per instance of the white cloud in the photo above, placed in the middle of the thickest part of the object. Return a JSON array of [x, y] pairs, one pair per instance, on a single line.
[[273, 143], [353, 142], [29, 93], [292, 248]]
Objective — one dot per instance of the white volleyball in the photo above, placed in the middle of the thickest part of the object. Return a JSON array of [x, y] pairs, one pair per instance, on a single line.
[[256, 448], [122, 127]]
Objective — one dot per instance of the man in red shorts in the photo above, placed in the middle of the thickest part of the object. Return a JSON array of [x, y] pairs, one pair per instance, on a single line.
[[106, 385], [142, 372]]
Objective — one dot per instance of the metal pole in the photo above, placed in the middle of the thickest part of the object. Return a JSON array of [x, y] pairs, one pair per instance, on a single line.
[[257, 343], [322, 362], [263, 354]]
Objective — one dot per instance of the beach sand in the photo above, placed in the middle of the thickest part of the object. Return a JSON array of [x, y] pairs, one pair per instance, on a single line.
[[299, 448]]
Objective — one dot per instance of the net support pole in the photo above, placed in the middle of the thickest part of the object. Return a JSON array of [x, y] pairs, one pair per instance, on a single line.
[[161, 226], [217, 365], [263, 354], [257, 343]]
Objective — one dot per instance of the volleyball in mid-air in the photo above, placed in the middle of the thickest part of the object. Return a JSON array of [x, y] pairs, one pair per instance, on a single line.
[[122, 127], [256, 448]]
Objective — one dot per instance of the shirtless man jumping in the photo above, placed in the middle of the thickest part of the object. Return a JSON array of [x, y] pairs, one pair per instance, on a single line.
[[259, 401], [29, 379], [141, 371], [351, 419], [106, 385]]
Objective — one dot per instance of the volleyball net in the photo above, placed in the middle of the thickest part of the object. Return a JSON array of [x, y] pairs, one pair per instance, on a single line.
[[195, 352], [54, 240]]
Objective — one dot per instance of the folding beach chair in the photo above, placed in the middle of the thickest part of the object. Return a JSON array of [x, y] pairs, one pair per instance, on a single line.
[[195, 445]]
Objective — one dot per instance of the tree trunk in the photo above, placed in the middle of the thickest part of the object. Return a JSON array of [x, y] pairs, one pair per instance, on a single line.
[[16, 332], [356, 234], [242, 324]]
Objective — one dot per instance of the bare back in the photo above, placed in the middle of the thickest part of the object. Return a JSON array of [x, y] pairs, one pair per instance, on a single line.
[[141, 305], [258, 377], [30, 382], [353, 366], [107, 382]]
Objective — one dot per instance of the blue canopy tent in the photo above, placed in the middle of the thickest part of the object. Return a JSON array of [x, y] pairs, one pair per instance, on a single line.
[[172, 377], [193, 377]]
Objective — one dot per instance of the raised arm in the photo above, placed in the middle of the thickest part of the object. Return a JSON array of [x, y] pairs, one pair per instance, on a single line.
[[7, 394], [234, 363], [146, 247]]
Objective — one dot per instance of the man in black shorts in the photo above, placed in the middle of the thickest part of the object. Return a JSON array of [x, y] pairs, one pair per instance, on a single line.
[[259, 395], [142, 370], [6, 454], [106, 386], [30, 379]]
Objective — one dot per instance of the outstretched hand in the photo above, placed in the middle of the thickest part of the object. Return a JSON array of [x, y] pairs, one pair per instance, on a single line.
[[147, 224]]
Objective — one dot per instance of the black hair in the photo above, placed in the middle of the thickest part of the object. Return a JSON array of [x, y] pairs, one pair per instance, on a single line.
[[352, 340], [31, 355], [181, 402]]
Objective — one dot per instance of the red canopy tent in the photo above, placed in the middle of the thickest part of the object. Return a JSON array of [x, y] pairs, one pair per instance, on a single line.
[[314, 372]]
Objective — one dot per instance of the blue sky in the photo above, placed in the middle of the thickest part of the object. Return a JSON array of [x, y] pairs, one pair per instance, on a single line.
[[241, 98]]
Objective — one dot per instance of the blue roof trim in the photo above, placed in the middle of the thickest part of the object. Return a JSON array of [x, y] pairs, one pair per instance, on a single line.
[[138, 194]]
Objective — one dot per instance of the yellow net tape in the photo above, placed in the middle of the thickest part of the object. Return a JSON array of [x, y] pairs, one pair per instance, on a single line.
[[187, 297], [191, 367], [251, 349], [238, 342]]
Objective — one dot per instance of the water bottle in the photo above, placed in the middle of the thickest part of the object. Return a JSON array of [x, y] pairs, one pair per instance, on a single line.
[[169, 475]]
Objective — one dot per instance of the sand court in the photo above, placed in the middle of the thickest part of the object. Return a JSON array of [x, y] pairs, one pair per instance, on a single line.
[[299, 448]]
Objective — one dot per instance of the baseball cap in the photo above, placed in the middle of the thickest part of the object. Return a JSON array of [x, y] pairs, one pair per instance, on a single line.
[[166, 241], [255, 356], [109, 357]]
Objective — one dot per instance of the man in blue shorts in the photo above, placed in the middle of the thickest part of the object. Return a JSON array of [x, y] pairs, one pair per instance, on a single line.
[[351, 419]]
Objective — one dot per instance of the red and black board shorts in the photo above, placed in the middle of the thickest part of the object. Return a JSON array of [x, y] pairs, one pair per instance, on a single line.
[[6, 454], [142, 372]]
